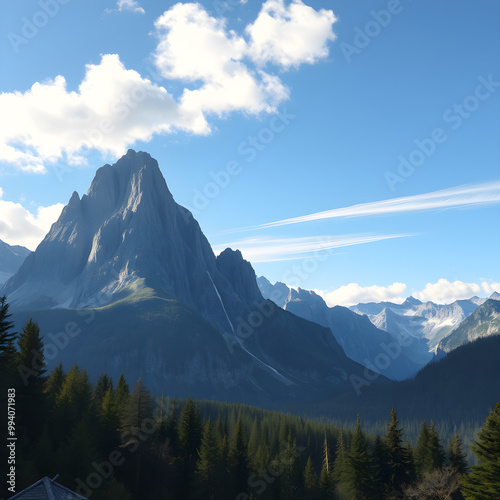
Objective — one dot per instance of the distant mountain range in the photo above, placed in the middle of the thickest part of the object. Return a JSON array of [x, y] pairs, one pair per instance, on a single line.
[[427, 322], [483, 322], [126, 281], [361, 340], [11, 258]]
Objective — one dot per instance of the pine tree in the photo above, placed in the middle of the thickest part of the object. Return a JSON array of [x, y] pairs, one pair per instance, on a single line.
[[437, 452], [31, 367], [54, 382], [483, 483], [293, 470], [206, 466], [310, 478], [397, 455], [189, 432], [380, 469], [423, 458], [456, 455], [356, 478], [136, 425], [30, 360], [238, 470], [7, 336], [340, 460], [102, 385]]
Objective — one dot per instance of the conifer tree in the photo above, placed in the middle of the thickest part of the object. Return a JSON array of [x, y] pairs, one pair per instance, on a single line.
[[380, 469], [340, 460], [310, 478], [54, 382], [423, 458], [7, 336], [327, 474], [136, 424], [293, 470], [456, 455], [30, 360], [356, 477], [31, 368], [437, 452], [238, 470], [483, 482], [397, 455], [206, 466]]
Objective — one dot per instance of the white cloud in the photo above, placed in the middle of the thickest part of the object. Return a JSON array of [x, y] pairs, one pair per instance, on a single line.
[[279, 249], [458, 197], [18, 226], [1, 192], [444, 291], [290, 35], [130, 5], [195, 47], [114, 106], [353, 293], [441, 292]]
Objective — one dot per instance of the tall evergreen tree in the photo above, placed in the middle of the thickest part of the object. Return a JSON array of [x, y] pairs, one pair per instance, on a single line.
[[31, 368], [437, 452], [54, 382], [423, 455], [456, 455], [483, 483], [7, 335], [310, 478], [357, 473], [380, 469], [136, 425], [206, 466], [238, 470], [327, 474], [397, 455]]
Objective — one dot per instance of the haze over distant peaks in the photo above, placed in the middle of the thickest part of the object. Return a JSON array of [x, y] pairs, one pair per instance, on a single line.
[[11, 258]]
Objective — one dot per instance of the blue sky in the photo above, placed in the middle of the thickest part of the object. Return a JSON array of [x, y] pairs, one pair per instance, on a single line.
[[261, 112]]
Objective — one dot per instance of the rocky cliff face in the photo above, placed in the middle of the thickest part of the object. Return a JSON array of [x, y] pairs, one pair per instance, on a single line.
[[127, 236], [160, 304]]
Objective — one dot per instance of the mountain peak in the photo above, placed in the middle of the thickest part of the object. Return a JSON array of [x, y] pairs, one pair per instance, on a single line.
[[495, 296], [412, 301]]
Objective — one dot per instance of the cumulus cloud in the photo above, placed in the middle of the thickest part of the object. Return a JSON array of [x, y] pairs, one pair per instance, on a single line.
[[441, 292], [290, 35], [278, 249], [444, 291], [353, 293], [195, 47], [19, 226], [114, 107]]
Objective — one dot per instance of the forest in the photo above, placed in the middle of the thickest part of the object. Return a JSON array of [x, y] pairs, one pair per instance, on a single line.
[[115, 441]]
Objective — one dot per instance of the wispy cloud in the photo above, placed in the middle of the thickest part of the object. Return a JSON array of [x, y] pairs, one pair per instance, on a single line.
[[130, 6], [264, 249], [457, 197]]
